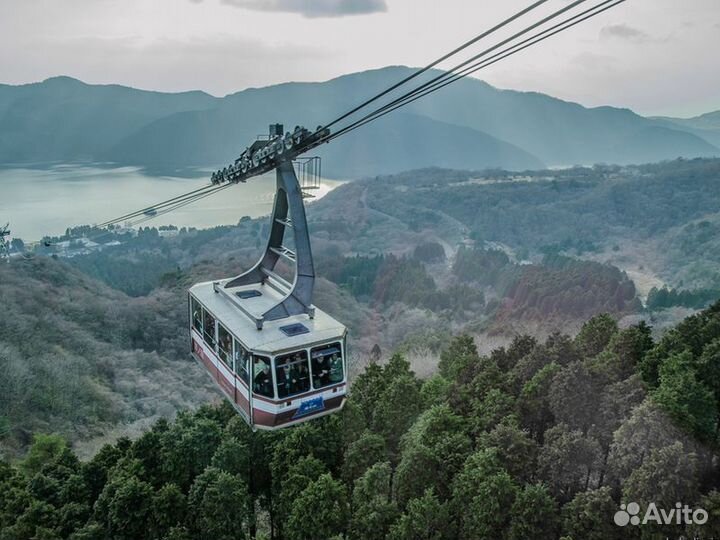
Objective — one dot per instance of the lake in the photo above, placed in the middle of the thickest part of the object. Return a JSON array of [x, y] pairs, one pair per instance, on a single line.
[[46, 201]]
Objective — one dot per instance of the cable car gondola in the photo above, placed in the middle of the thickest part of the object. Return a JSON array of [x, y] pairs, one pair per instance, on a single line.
[[276, 357]]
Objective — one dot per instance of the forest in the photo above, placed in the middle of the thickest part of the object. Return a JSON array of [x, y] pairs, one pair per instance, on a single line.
[[486, 359], [535, 440]]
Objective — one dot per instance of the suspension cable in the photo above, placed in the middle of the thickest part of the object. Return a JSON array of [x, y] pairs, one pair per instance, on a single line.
[[204, 189], [451, 77], [436, 62]]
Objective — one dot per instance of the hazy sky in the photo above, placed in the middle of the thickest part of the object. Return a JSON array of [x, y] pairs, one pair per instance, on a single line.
[[654, 56]]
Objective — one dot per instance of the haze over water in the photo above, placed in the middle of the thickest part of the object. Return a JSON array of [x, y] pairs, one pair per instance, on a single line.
[[46, 201]]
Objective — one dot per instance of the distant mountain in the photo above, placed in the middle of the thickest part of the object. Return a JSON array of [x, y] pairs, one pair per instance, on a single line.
[[706, 125], [655, 143], [469, 125], [392, 144], [709, 120], [67, 120]]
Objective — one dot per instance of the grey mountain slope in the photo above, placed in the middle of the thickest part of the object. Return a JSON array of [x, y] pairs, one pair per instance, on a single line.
[[65, 119], [656, 143], [710, 120], [557, 131], [388, 146], [554, 131], [470, 124], [706, 126], [392, 144]]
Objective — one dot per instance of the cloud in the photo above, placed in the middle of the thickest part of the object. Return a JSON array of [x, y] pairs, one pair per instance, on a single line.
[[623, 31], [313, 8], [220, 64]]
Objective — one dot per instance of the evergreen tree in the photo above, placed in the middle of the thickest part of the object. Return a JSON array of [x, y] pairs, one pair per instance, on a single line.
[[425, 518], [589, 516], [320, 511], [688, 401], [373, 511], [534, 514]]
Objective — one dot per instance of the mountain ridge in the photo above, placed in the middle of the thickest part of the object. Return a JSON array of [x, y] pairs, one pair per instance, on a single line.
[[63, 118]]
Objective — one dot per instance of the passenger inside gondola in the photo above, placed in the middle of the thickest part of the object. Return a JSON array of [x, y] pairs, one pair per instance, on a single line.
[[321, 371], [291, 372], [262, 382], [285, 380], [327, 365], [336, 369], [302, 372], [197, 316], [242, 360], [225, 346], [209, 329]]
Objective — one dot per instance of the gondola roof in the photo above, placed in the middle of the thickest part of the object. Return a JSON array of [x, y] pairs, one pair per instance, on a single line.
[[276, 336]]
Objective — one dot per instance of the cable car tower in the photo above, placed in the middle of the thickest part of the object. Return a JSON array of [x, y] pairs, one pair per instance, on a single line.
[[276, 357], [4, 243]]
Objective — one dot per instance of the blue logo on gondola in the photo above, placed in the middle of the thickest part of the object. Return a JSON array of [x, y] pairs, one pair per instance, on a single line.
[[310, 406]]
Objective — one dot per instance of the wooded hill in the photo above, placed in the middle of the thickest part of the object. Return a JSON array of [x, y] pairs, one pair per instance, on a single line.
[[536, 440]]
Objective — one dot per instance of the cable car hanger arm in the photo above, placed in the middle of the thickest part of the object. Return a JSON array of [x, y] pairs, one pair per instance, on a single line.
[[266, 155]]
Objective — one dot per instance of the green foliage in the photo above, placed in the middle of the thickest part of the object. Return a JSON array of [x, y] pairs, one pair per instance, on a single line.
[[458, 357], [711, 504], [692, 334], [320, 510], [78, 357], [486, 502], [129, 510], [515, 449], [169, 509], [549, 448], [190, 445], [595, 334], [389, 398], [588, 516], [434, 390], [495, 407], [668, 475], [574, 394], [45, 448], [132, 274], [220, 508], [567, 461], [425, 518], [665, 298], [534, 514], [433, 451], [686, 399], [373, 510], [534, 401], [361, 454], [292, 484], [648, 428]]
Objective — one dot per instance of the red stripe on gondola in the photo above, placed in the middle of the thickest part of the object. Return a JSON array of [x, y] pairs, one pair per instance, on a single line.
[[264, 418], [298, 396]]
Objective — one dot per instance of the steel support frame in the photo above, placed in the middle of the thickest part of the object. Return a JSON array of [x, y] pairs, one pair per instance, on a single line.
[[298, 295]]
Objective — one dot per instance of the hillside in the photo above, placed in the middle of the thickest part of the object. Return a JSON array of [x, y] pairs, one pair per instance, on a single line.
[[469, 125], [84, 360], [706, 125], [538, 440], [405, 261], [618, 231], [63, 119]]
